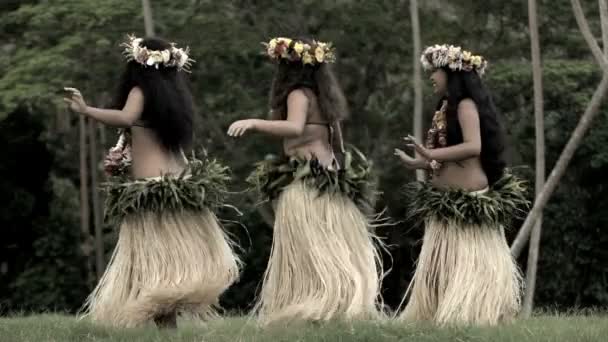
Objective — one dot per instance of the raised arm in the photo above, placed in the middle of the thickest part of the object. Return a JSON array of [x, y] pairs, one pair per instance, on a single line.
[[468, 117], [125, 117], [297, 111]]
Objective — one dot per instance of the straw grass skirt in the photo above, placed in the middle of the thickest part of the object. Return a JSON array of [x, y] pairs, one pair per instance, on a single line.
[[323, 263], [172, 255], [465, 273], [164, 263]]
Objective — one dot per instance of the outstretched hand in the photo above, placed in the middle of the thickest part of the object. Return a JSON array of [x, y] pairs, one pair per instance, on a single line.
[[413, 143], [410, 162], [240, 127], [75, 100]]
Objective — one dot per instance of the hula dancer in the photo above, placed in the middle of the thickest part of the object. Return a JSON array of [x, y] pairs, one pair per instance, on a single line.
[[172, 256], [465, 273], [323, 263]]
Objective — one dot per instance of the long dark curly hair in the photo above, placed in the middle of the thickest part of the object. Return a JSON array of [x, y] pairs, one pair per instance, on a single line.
[[319, 78], [168, 104], [462, 85]]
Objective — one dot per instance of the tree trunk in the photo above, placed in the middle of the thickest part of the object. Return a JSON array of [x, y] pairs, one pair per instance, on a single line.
[[84, 200], [97, 219], [576, 137], [583, 26], [540, 158], [604, 20], [560, 167], [417, 80], [148, 21]]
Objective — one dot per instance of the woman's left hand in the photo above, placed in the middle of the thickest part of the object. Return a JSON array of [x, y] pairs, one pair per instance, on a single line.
[[240, 127], [423, 151]]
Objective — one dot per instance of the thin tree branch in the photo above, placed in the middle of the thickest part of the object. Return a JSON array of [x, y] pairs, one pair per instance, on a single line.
[[603, 4], [417, 79], [560, 167], [575, 139], [148, 20], [583, 25], [540, 157], [97, 219]]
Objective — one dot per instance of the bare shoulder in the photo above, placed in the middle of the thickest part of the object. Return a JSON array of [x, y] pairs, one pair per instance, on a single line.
[[467, 106], [297, 95], [136, 92]]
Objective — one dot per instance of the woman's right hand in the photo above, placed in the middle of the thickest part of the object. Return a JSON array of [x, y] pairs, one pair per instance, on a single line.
[[75, 100], [240, 127], [410, 163]]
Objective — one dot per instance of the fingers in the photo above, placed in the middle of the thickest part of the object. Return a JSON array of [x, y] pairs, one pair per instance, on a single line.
[[236, 130], [241, 131], [231, 130], [75, 94], [410, 140], [74, 91], [402, 154], [68, 101]]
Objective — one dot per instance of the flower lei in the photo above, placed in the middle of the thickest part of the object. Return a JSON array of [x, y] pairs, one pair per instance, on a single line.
[[118, 160], [453, 57], [299, 51], [437, 134], [171, 58]]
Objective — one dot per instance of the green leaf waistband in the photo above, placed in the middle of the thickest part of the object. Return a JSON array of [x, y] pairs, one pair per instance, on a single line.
[[354, 179], [201, 185], [504, 201]]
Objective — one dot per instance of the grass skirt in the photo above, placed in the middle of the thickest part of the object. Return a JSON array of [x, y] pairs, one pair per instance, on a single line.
[[464, 275], [323, 263], [465, 272], [172, 255]]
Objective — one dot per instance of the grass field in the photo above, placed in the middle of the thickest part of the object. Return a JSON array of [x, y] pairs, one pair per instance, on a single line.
[[541, 328]]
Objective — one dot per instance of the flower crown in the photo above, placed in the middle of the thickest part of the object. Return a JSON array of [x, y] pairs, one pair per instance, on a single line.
[[172, 57], [299, 51], [453, 57]]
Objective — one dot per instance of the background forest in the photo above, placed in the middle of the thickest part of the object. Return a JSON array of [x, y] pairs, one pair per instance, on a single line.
[[53, 242]]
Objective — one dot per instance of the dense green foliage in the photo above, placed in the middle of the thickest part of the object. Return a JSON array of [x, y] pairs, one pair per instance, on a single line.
[[45, 45]]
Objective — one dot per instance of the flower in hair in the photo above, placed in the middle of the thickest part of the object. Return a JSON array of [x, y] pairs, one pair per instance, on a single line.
[[452, 57], [294, 50], [172, 57]]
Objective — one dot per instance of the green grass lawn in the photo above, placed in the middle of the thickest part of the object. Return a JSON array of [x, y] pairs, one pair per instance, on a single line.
[[541, 328]]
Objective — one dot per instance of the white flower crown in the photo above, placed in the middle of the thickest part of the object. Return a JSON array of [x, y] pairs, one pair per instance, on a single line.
[[452, 57], [295, 50], [172, 57]]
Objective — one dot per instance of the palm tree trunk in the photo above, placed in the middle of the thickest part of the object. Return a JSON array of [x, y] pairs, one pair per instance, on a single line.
[[417, 78], [575, 139], [604, 20], [540, 158], [84, 200], [97, 220], [148, 21]]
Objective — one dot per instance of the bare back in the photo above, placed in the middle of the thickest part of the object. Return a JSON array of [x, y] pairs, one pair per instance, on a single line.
[[314, 142], [150, 158]]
